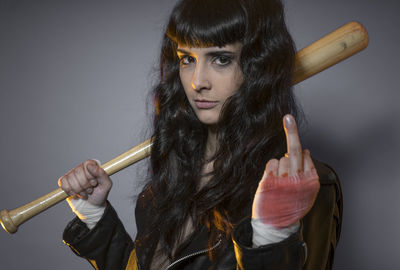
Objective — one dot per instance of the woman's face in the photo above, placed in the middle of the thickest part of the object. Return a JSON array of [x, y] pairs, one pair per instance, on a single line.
[[210, 76]]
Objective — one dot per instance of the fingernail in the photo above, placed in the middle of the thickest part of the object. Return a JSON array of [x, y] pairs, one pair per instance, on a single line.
[[93, 182], [288, 120]]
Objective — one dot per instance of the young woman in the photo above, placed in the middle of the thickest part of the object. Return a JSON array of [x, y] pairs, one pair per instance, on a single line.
[[223, 194]]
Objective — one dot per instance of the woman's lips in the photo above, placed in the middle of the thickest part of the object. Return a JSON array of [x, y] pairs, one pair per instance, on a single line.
[[205, 104]]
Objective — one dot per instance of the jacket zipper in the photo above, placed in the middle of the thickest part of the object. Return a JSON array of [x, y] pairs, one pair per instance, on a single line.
[[194, 254]]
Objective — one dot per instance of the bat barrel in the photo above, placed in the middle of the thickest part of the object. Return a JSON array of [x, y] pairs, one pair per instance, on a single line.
[[333, 48]]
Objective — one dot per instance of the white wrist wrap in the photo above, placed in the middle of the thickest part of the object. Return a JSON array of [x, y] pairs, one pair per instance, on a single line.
[[90, 214], [264, 234]]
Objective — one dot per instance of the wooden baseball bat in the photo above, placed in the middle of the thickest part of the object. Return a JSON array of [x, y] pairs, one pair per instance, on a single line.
[[318, 56]]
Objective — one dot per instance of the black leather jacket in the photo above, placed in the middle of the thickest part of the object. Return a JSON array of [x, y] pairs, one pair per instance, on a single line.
[[108, 246]]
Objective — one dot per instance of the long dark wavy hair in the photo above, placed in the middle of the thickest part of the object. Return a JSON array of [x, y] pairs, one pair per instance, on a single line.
[[249, 132]]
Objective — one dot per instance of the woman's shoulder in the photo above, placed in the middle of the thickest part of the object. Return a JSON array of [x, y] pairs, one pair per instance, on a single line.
[[144, 201], [326, 173], [322, 225], [330, 194], [145, 208]]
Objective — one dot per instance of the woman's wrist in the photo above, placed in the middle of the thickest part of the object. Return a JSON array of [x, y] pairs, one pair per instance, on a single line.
[[264, 234], [90, 214]]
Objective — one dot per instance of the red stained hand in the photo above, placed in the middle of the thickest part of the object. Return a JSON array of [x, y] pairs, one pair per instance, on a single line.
[[289, 186]]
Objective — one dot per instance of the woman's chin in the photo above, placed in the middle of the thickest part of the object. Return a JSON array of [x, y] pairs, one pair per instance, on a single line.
[[208, 121], [207, 117]]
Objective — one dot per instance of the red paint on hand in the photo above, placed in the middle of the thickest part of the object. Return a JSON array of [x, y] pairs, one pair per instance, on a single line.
[[281, 201]]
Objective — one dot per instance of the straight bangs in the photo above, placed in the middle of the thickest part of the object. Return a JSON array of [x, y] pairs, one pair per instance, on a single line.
[[207, 23]]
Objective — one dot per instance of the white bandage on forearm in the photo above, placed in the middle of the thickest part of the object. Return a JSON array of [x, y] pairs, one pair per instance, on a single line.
[[264, 234], [90, 214]]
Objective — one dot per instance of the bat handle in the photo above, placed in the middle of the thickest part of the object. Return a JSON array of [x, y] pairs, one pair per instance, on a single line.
[[10, 220]]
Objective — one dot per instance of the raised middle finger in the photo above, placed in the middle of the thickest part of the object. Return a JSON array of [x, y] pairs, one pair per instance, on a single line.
[[294, 149]]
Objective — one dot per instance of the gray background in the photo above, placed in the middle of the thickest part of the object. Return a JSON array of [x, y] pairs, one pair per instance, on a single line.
[[74, 80]]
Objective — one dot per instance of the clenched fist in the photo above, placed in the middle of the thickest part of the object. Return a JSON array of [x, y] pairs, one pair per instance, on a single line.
[[87, 181]]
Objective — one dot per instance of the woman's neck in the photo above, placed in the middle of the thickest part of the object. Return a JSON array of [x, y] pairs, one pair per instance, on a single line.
[[211, 144], [208, 162]]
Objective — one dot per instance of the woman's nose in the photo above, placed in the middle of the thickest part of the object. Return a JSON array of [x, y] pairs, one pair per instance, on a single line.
[[200, 79]]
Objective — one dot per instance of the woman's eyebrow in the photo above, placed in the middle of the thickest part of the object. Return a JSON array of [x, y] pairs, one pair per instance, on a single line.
[[219, 53], [210, 53]]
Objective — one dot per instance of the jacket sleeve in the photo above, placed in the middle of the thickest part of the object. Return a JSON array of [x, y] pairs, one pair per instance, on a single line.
[[313, 247], [107, 246], [287, 254]]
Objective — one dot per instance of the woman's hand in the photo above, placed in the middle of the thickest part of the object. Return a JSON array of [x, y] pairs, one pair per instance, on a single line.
[[87, 181], [289, 186]]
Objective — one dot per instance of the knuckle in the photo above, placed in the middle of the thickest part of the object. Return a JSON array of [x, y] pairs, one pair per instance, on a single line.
[[64, 186], [75, 186], [283, 159], [271, 164], [78, 170], [85, 164], [94, 182], [97, 161], [295, 149], [273, 161], [65, 181]]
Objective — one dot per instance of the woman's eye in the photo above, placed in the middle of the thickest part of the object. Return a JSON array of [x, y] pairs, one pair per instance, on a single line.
[[186, 60], [223, 60]]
